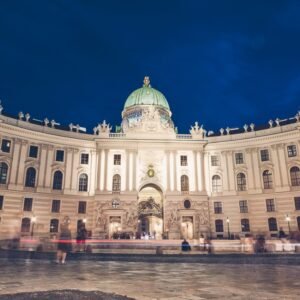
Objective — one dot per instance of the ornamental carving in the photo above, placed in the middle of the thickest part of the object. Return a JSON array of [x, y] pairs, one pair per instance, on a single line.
[[202, 213], [149, 119], [101, 218], [131, 218], [150, 208]]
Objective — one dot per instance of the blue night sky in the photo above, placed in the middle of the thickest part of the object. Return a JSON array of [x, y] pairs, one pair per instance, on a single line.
[[222, 63]]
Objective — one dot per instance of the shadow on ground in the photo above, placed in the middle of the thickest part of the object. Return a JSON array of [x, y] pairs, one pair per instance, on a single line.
[[65, 295]]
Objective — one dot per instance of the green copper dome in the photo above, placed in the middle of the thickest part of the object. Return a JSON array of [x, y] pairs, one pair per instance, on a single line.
[[146, 96]]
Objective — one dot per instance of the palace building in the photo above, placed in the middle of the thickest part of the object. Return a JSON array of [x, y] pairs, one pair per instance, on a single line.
[[145, 177]]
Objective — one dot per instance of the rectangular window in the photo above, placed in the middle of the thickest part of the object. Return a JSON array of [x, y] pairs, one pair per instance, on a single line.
[[218, 207], [264, 155], [297, 203], [183, 160], [272, 224], [33, 151], [219, 226], [292, 150], [27, 204], [84, 159], [117, 159], [1, 202], [243, 206], [82, 207], [239, 158], [245, 225], [270, 203], [5, 145], [215, 160], [55, 206], [60, 155]]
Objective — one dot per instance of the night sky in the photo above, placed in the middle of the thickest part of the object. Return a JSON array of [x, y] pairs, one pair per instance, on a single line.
[[222, 63]]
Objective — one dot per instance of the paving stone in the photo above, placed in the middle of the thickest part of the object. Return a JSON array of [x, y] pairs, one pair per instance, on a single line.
[[145, 281]]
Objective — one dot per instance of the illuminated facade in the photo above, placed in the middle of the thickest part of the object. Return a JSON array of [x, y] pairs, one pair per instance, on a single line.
[[148, 178]]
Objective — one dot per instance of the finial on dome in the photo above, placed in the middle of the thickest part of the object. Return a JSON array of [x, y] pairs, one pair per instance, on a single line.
[[147, 81]]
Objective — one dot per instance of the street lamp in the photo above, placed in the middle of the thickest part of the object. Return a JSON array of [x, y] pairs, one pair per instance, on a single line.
[[84, 220], [33, 220], [288, 219], [228, 230]]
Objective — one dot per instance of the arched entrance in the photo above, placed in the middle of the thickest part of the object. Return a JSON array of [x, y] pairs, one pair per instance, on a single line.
[[150, 211]]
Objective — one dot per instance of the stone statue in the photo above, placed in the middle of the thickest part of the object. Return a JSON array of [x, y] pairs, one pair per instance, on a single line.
[[197, 131], [101, 219], [131, 218]]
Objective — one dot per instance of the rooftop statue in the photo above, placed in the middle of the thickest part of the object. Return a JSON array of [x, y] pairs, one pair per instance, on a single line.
[[197, 131]]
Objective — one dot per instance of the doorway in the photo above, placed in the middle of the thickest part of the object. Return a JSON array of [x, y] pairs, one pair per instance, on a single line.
[[187, 228], [150, 212]]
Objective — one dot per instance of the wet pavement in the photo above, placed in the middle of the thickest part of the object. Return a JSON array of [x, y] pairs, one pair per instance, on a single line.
[[141, 280]]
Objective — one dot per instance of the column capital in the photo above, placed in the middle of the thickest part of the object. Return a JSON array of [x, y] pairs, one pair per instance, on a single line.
[[24, 142]]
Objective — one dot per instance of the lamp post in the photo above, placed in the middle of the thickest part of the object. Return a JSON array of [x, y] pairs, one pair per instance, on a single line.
[[228, 230], [288, 219], [33, 220]]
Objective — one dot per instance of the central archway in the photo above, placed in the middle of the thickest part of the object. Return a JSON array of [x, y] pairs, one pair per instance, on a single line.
[[150, 211]]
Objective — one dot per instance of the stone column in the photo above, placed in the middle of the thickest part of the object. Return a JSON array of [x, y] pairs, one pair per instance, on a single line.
[[225, 171], [283, 165], [21, 165], [69, 164], [202, 166], [15, 161], [48, 170], [167, 169], [250, 169], [175, 170], [231, 175], [74, 173], [277, 174], [195, 170], [171, 172], [102, 167], [256, 169], [134, 158], [93, 171], [98, 170], [105, 169], [198, 169], [127, 170]]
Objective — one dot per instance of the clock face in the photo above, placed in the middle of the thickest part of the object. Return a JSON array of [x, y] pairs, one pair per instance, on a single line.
[[150, 172]]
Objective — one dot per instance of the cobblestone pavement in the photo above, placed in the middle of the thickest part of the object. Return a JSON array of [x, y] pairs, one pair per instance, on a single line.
[[142, 280]]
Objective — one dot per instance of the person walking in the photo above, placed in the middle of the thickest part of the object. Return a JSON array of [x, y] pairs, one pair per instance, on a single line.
[[81, 237], [64, 244]]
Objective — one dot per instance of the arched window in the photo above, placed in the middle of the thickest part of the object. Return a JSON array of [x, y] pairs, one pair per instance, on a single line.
[[54, 225], [184, 183], [216, 184], [267, 179], [116, 183], [30, 177], [25, 226], [272, 224], [57, 180], [241, 182], [83, 183], [219, 226], [295, 176], [298, 222], [245, 225], [3, 172]]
